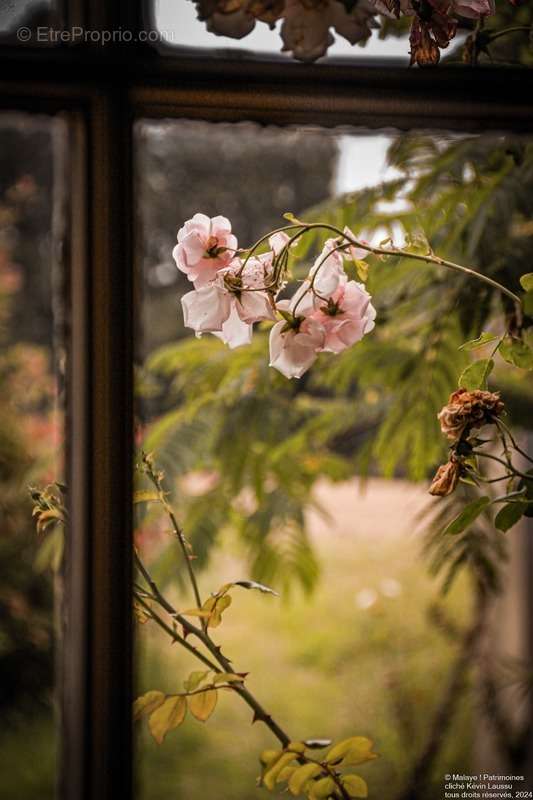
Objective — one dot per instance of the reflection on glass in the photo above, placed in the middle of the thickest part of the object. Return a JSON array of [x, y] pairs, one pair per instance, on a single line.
[[318, 487], [31, 438]]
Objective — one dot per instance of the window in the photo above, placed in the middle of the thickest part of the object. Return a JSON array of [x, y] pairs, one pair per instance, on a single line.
[[98, 94]]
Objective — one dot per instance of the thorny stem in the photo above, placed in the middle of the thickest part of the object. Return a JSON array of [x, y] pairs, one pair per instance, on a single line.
[[259, 712], [177, 530]]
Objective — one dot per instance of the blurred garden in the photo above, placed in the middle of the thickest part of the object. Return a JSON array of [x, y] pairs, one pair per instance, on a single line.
[[383, 624]]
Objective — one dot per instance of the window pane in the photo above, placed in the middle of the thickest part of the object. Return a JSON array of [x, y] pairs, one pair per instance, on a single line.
[[31, 450], [341, 31], [318, 487]]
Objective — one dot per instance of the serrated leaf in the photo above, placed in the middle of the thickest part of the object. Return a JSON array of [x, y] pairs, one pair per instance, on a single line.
[[509, 515], [516, 352], [475, 376], [260, 587], [147, 703], [195, 679], [482, 340], [526, 281], [355, 785], [202, 705], [146, 496], [468, 515], [322, 789], [167, 717], [301, 775], [353, 751]]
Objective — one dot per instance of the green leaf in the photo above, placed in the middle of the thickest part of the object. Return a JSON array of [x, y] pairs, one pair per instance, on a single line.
[[300, 777], [288, 215], [475, 375], [468, 515], [167, 717], [355, 785], [260, 587], [202, 705], [322, 789], [517, 352], [195, 679], [482, 340], [362, 269], [355, 750], [146, 496], [509, 515], [147, 703], [526, 281]]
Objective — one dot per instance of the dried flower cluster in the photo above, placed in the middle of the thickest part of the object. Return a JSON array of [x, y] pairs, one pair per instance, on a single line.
[[464, 412], [235, 288], [307, 25], [467, 410]]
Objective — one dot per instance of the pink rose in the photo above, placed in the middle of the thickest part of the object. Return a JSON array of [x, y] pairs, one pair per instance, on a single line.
[[225, 307], [204, 247], [346, 317], [294, 349]]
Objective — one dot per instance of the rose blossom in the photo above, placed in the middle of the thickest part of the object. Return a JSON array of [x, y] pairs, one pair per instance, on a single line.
[[225, 307], [204, 247], [294, 348], [346, 316]]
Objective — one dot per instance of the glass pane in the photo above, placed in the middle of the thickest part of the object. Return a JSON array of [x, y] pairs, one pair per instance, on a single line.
[[31, 451], [340, 30], [386, 627]]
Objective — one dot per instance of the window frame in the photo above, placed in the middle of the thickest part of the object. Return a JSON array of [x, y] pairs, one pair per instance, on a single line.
[[101, 92]]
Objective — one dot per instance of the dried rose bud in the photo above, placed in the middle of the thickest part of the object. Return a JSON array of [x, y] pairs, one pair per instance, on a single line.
[[466, 410], [446, 478]]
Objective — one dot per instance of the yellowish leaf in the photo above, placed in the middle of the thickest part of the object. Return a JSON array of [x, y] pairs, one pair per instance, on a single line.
[[321, 789], [271, 775], [227, 677], [355, 750], [167, 717], [203, 704], [195, 679], [300, 777], [355, 785], [147, 703], [217, 605], [146, 496], [196, 612], [285, 774], [267, 757], [296, 747]]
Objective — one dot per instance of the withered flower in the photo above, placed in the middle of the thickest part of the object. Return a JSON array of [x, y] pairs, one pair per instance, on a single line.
[[466, 410], [446, 479]]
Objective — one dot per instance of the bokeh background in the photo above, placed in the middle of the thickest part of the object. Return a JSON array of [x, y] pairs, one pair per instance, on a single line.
[[317, 487]]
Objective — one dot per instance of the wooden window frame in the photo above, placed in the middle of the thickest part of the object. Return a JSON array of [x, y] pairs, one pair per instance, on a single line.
[[101, 91]]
